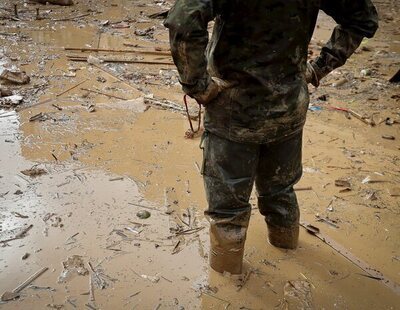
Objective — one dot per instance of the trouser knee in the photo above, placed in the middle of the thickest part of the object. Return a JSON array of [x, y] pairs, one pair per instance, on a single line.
[[280, 209]]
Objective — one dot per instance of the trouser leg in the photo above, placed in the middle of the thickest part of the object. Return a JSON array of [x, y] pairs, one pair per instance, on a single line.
[[279, 169], [229, 171]]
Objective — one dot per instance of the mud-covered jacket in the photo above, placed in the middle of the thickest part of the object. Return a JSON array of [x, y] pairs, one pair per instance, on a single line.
[[261, 47]]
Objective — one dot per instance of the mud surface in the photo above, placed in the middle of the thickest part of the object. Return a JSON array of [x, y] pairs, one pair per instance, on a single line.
[[103, 158]]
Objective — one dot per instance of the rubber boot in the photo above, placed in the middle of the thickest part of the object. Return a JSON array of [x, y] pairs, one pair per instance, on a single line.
[[227, 248], [283, 237]]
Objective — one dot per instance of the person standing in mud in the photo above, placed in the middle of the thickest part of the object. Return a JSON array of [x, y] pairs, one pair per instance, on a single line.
[[252, 79]]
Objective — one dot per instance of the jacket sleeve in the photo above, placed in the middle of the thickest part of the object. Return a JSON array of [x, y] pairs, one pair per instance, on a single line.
[[187, 22], [356, 19]]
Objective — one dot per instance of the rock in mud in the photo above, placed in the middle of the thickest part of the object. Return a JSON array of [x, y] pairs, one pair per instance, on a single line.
[[143, 214]]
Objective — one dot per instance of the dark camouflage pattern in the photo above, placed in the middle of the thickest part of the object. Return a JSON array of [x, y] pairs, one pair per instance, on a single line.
[[230, 170], [261, 48]]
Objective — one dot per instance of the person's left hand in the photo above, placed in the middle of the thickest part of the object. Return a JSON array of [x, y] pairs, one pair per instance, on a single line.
[[212, 91]]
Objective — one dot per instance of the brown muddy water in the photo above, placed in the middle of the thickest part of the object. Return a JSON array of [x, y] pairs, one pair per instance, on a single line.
[[104, 166]]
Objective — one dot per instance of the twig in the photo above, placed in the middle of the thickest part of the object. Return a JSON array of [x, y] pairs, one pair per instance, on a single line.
[[298, 189], [85, 49], [70, 18], [213, 296], [101, 93], [19, 288], [52, 99], [135, 294], [91, 288], [71, 88], [168, 280], [307, 280], [128, 61], [244, 281], [90, 306], [114, 76], [142, 206], [189, 231], [174, 251], [158, 307], [19, 235]]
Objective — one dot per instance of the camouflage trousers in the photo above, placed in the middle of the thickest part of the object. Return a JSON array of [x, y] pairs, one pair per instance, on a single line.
[[230, 170]]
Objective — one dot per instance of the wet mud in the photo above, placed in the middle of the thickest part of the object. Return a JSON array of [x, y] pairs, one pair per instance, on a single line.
[[107, 154]]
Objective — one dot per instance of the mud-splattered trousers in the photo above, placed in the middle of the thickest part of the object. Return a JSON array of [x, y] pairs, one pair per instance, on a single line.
[[230, 170]]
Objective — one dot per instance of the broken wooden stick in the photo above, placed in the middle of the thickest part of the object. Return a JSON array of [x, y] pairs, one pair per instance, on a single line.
[[351, 257], [101, 93], [71, 88], [128, 61], [85, 49], [70, 18], [52, 99], [18, 235], [15, 292]]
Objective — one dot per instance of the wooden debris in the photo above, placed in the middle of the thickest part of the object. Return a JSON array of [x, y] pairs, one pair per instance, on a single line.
[[136, 51], [13, 234], [315, 231], [15, 292], [128, 61], [34, 172]]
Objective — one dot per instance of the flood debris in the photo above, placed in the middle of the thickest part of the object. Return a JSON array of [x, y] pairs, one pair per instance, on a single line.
[[15, 293], [388, 137], [374, 179], [55, 306], [99, 278], [40, 117], [298, 295], [327, 220], [17, 214], [13, 234], [56, 2], [73, 265], [4, 92], [342, 183], [34, 172], [373, 272], [14, 77], [11, 101]]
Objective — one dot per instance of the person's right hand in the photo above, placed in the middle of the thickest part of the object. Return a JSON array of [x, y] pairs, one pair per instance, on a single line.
[[311, 75]]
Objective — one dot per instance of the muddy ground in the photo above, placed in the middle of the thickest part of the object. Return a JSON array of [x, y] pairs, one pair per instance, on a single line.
[[109, 145]]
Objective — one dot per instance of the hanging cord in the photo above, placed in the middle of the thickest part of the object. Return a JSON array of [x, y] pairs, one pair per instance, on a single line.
[[188, 115]]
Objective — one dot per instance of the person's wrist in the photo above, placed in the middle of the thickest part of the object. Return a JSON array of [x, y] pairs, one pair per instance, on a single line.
[[312, 75], [211, 92]]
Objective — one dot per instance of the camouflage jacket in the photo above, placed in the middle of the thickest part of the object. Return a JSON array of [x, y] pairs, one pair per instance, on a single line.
[[261, 47]]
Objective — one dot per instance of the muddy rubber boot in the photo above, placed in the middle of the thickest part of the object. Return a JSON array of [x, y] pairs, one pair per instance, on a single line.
[[227, 248], [283, 237]]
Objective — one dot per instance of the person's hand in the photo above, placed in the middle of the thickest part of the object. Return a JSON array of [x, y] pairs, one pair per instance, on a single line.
[[311, 75], [212, 91]]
